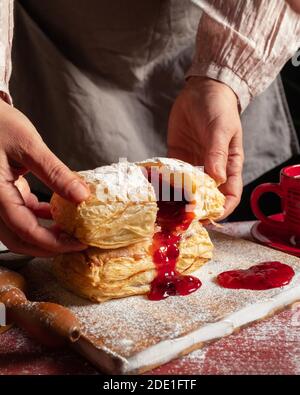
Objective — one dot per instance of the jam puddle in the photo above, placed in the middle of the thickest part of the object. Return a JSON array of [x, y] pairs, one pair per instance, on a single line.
[[173, 220], [265, 275]]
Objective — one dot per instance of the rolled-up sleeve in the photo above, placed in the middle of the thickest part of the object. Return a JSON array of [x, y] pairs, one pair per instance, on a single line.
[[6, 34], [245, 43]]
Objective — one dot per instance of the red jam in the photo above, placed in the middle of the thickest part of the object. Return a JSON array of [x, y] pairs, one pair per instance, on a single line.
[[265, 275], [173, 219]]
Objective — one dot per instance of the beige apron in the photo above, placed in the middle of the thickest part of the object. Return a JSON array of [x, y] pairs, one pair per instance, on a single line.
[[98, 79]]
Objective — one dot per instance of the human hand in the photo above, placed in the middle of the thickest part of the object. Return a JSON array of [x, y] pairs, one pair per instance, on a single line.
[[21, 150], [205, 130]]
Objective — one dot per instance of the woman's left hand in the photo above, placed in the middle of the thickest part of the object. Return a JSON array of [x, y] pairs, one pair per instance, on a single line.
[[205, 130]]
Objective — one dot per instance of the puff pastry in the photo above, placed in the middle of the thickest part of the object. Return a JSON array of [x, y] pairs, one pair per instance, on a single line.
[[122, 207], [199, 189], [99, 275], [124, 219]]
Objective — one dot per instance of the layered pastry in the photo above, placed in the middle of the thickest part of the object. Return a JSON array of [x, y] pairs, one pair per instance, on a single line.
[[120, 211], [142, 223]]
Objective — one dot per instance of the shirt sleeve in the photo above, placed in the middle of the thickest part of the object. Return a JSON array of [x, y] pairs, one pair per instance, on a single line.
[[6, 34], [245, 43]]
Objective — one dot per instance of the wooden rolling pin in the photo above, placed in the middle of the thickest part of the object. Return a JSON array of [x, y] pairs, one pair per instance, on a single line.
[[49, 323]]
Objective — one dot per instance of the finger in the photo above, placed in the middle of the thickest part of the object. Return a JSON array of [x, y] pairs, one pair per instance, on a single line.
[[233, 187], [22, 185], [216, 156], [37, 158], [232, 190], [22, 221], [40, 209], [18, 246], [232, 201]]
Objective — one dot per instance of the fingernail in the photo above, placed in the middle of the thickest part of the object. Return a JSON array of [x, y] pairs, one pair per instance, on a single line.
[[78, 191], [221, 174]]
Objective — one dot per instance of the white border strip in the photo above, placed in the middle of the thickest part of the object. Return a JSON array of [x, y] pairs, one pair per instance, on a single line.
[[167, 350]]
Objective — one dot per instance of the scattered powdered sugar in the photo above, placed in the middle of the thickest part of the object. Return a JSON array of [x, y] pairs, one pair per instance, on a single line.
[[22, 355], [130, 325], [11, 340], [270, 346]]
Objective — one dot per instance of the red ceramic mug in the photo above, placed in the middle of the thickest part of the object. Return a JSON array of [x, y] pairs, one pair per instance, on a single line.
[[288, 190]]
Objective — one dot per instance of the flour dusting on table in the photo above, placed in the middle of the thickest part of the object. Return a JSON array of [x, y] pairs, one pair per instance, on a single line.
[[131, 325]]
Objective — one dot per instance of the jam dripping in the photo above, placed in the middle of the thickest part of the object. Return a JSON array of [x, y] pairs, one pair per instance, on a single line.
[[173, 219], [265, 275]]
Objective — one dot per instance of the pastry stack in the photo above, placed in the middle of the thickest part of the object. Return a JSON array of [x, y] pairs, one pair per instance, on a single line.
[[132, 206]]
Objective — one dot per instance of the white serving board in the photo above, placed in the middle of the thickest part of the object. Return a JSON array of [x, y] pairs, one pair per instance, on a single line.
[[132, 335]]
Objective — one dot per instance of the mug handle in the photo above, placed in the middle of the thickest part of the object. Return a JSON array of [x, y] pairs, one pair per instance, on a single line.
[[255, 196]]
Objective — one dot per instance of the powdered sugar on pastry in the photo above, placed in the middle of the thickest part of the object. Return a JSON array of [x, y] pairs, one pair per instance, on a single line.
[[121, 209], [122, 181], [174, 165], [199, 188]]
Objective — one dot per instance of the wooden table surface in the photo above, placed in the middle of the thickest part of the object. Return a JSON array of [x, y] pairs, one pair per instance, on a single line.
[[271, 346]]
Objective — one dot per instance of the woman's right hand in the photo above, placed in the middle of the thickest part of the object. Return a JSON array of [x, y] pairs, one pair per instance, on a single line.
[[21, 150], [205, 130]]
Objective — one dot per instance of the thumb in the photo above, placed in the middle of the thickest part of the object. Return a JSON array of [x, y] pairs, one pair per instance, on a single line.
[[54, 173], [216, 155]]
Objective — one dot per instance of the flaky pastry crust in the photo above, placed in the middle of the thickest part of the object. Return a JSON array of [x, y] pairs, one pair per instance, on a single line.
[[206, 201], [99, 275], [120, 211], [118, 222], [122, 208]]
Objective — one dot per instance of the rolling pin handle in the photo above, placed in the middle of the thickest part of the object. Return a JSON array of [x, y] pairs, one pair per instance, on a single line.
[[49, 323]]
